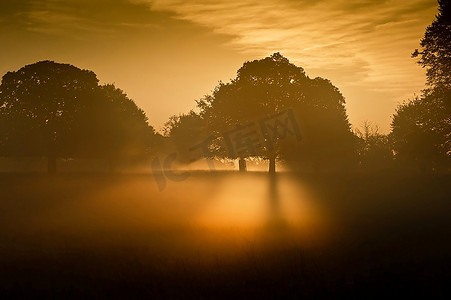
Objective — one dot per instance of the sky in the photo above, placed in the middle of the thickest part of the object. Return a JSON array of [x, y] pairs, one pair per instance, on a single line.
[[165, 54]]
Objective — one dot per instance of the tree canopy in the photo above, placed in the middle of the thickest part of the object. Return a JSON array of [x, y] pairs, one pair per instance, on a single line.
[[118, 127], [435, 52], [421, 128], [59, 111], [267, 87], [189, 136]]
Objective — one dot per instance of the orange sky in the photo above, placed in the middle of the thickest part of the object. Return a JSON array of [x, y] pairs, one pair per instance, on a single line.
[[167, 53]]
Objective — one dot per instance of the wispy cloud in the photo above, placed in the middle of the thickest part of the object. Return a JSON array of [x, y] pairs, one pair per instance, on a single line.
[[369, 41], [363, 46], [79, 18]]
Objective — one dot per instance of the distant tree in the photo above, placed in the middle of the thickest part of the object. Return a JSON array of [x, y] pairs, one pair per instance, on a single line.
[[270, 86], [40, 105], [187, 134], [435, 52], [374, 149]]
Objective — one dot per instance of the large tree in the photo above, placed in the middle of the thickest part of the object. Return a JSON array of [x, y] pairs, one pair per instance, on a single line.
[[59, 111], [421, 128], [117, 128], [268, 87], [40, 104]]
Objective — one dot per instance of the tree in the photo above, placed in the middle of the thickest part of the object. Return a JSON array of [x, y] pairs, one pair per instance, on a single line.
[[121, 128], [435, 52], [374, 149], [421, 128], [40, 105], [270, 86], [59, 111], [328, 141], [189, 136]]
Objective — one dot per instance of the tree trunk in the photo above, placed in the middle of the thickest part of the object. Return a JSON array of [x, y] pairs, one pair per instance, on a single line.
[[51, 164], [242, 164], [272, 165]]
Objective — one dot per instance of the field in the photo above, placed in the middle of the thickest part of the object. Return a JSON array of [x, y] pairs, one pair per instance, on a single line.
[[225, 235]]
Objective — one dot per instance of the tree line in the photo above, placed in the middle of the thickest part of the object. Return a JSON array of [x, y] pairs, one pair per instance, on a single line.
[[272, 110]]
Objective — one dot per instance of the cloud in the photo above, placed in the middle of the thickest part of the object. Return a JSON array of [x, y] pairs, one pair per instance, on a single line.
[[370, 38], [362, 46], [78, 17]]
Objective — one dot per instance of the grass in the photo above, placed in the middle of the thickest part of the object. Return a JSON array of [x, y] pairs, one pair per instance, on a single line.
[[225, 235]]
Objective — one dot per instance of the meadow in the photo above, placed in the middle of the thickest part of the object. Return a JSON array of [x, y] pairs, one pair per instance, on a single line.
[[225, 235]]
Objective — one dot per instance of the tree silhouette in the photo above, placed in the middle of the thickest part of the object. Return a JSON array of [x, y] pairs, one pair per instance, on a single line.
[[189, 136], [270, 86], [421, 128], [374, 148], [41, 104], [59, 111], [327, 137], [120, 127], [435, 52]]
